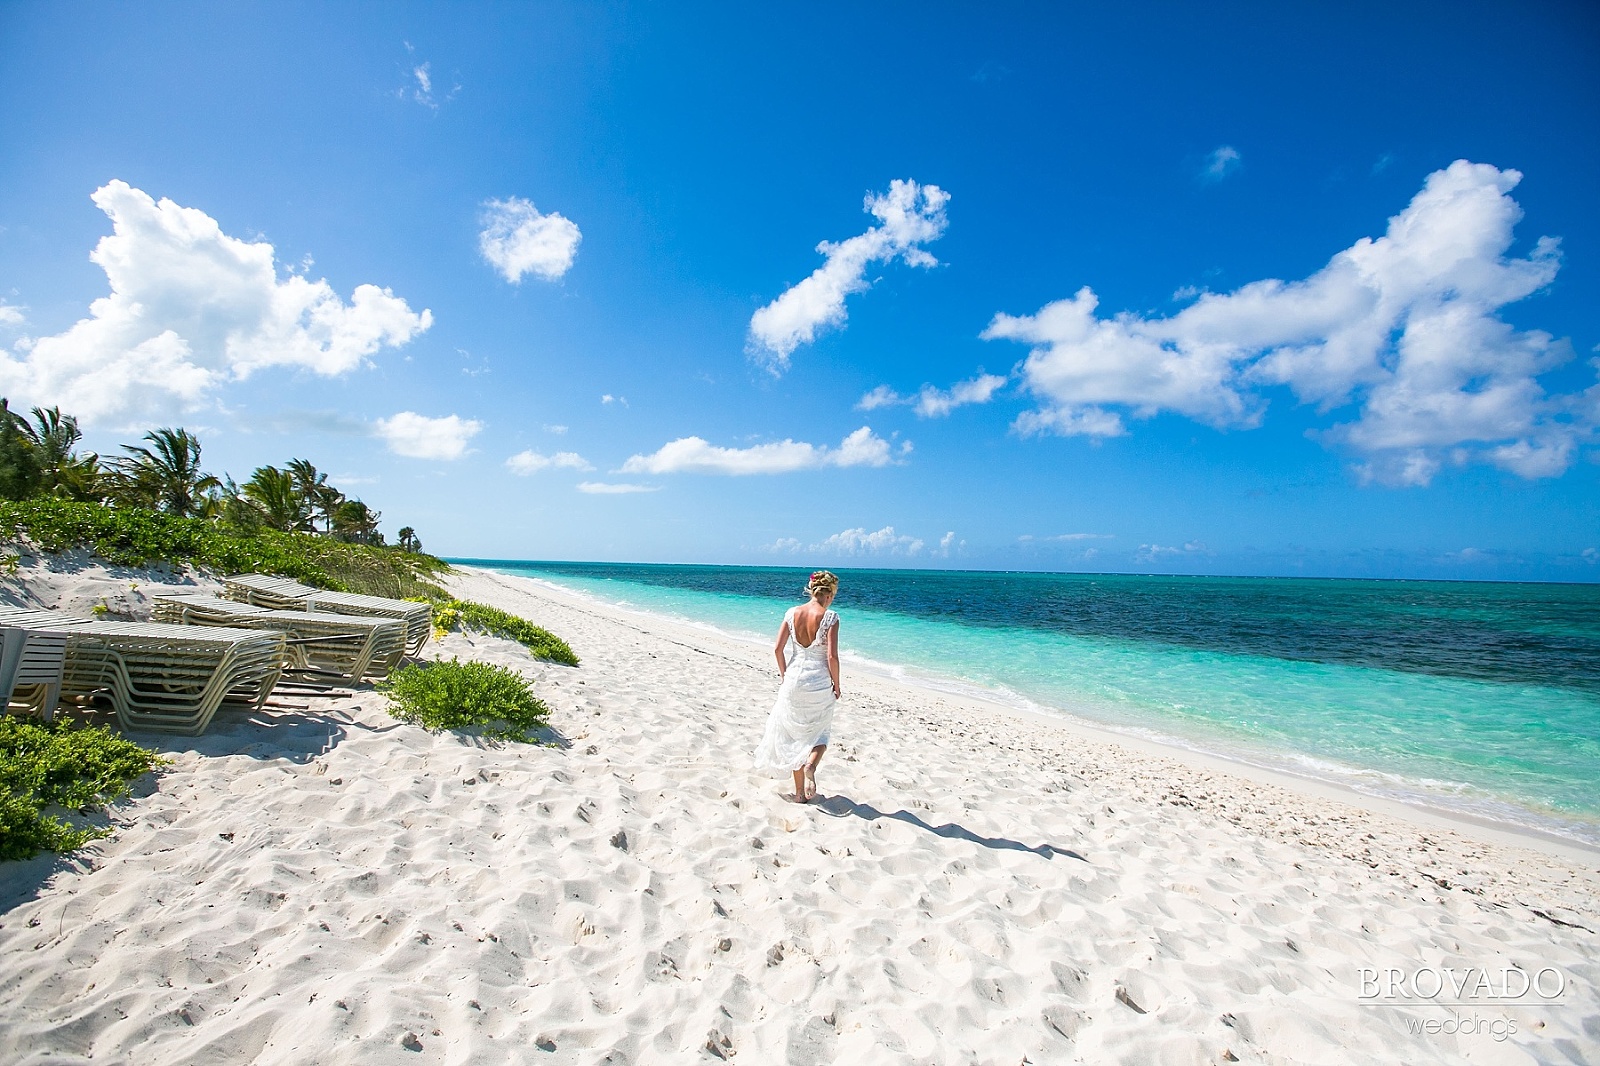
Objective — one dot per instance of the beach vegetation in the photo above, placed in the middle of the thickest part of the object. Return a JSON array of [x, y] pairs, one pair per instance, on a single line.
[[282, 505], [356, 523], [451, 694], [317, 496], [50, 770], [157, 505], [165, 477], [236, 512], [132, 536], [19, 464], [63, 472], [164, 474], [451, 614]]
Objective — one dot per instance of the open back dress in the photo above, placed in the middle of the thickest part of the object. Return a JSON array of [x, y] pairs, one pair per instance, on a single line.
[[803, 714]]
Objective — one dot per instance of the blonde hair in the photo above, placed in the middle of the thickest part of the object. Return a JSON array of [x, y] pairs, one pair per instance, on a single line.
[[822, 581]]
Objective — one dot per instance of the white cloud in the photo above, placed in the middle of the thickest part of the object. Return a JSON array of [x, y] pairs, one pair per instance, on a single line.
[[694, 455], [517, 240], [531, 462], [10, 314], [1591, 555], [602, 488], [610, 399], [1149, 553], [557, 430], [1068, 547], [1403, 326], [858, 541], [1402, 469], [1068, 537], [1093, 422], [910, 215], [1220, 163], [936, 403], [882, 396], [424, 86], [191, 309], [419, 437]]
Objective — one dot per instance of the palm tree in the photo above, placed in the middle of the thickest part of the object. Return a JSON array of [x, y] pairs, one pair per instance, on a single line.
[[328, 502], [282, 506], [63, 472], [406, 540], [165, 476], [235, 509], [357, 523], [19, 463], [321, 498]]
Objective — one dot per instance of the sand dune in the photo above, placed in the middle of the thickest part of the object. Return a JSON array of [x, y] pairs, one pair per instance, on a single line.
[[322, 884]]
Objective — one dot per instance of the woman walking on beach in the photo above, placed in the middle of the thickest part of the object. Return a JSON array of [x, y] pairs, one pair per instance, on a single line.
[[797, 729]]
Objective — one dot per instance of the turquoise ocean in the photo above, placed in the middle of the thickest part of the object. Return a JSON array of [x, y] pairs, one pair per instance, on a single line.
[[1478, 698]]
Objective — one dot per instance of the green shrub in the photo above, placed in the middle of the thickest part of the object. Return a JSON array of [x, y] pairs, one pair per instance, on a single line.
[[131, 536], [60, 766], [25, 830], [456, 694], [465, 614]]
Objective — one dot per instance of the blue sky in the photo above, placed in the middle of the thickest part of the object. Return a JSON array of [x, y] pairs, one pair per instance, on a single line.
[[1165, 288]]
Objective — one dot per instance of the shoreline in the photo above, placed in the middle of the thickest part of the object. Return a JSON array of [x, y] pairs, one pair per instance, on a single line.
[[1418, 811]]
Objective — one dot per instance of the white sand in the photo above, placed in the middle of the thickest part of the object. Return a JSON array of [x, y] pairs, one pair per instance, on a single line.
[[323, 885], [79, 583]]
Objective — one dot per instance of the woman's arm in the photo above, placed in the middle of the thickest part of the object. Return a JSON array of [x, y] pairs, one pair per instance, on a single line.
[[833, 657], [783, 639]]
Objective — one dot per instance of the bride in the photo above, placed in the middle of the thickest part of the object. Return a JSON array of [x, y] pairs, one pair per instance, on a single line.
[[797, 729]]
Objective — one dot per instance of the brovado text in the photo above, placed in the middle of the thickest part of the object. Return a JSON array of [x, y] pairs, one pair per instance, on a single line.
[[1470, 985]]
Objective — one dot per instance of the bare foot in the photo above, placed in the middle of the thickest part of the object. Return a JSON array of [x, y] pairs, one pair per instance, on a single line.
[[811, 783], [792, 798]]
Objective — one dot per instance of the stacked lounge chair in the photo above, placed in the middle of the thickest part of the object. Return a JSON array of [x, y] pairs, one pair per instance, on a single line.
[[344, 646], [31, 665], [166, 678], [280, 593]]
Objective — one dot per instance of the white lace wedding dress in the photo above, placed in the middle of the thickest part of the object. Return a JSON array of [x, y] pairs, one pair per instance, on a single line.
[[803, 713]]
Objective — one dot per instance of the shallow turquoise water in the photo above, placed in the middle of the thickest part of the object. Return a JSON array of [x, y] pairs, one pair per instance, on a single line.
[[1483, 698]]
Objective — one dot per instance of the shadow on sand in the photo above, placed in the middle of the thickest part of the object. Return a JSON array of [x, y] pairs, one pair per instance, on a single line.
[[844, 807]]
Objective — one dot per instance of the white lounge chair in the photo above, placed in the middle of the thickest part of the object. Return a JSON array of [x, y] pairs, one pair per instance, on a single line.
[[282, 594], [31, 662], [349, 647], [166, 678]]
